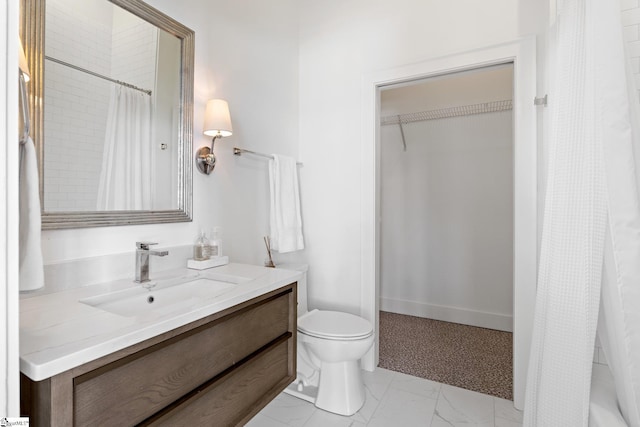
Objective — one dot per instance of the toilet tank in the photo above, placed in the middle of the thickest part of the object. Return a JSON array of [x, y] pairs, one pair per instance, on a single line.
[[302, 285]]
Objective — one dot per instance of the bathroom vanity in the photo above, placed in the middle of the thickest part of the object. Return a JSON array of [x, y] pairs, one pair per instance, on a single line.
[[217, 362]]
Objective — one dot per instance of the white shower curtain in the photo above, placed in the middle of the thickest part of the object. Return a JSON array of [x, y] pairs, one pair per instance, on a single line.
[[125, 178], [619, 326], [592, 188]]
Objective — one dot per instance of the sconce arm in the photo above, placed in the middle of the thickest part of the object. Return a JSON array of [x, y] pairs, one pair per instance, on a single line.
[[213, 140]]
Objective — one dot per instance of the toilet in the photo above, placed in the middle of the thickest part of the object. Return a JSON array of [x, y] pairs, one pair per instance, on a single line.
[[330, 346]]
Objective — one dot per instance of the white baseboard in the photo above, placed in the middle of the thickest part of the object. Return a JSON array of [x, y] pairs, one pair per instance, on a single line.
[[464, 316]]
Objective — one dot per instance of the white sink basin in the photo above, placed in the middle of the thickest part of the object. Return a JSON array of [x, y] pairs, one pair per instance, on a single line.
[[139, 300]]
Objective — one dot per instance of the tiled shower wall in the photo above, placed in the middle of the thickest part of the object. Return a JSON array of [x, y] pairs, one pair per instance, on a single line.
[[75, 103], [86, 33], [133, 50]]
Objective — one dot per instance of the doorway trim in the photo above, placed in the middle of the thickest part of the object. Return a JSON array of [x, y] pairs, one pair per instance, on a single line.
[[522, 53], [9, 159]]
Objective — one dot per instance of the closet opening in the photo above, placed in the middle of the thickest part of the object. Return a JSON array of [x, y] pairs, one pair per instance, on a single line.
[[446, 237]]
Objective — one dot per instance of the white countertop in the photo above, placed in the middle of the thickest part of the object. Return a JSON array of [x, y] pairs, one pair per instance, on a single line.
[[58, 333]]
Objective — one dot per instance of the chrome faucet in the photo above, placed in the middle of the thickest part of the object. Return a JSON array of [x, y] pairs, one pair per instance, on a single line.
[[142, 260]]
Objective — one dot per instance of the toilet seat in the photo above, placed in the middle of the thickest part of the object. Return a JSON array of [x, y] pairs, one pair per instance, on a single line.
[[334, 325]]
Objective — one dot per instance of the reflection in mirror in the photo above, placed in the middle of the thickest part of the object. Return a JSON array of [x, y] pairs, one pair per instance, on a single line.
[[115, 139], [100, 152]]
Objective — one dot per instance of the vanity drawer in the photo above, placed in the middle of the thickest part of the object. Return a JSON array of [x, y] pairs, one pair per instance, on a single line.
[[132, 389], [228, 399]]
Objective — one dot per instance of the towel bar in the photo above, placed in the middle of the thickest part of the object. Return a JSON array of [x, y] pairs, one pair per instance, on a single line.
[[239, 151]]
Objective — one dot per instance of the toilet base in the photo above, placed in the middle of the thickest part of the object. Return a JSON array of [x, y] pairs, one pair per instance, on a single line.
[[346, 393], [341, 389], [308, 393]]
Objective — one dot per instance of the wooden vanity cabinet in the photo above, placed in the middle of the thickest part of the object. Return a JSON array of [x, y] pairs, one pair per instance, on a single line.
[[217, 371]]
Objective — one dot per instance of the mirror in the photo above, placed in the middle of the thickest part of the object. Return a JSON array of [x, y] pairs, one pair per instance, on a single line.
[[111, 100]]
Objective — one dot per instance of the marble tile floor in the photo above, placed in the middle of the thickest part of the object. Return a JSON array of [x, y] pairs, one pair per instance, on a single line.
[[394, 399]]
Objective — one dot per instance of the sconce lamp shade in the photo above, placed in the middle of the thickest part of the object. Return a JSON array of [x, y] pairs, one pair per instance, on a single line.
[[217, 120], [23, 63]]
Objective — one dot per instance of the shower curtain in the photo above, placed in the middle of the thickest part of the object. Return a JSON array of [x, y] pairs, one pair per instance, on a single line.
[[125, 178], [619, 326], [592, 218]]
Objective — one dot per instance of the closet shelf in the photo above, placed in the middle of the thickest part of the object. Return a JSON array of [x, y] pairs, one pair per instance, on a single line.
[[464, 110]]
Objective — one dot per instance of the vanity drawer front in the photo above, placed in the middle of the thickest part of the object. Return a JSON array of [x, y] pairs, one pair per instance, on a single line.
[[132, 389], [228, 400]]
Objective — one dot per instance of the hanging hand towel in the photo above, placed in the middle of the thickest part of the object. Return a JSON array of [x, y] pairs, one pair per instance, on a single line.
[[286, 221], [31, 264]]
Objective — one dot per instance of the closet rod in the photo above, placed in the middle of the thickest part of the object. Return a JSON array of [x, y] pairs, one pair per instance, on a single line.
[[464, 110], [239, 151], [93, 73]]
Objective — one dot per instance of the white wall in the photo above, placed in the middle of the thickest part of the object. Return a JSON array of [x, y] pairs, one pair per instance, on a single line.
[[250, 57], [246, 52], [447, 202], [340, 42], [133, 50], [447, 220]]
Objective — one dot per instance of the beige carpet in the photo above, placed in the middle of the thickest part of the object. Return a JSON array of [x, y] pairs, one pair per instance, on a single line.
[[464, 356]]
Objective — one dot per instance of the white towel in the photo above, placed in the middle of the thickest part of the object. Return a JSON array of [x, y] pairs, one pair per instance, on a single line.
[[286, 221], [31, 264]]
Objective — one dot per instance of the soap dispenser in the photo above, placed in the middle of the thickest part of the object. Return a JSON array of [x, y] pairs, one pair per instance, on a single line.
[[201, 248], [215, 242]]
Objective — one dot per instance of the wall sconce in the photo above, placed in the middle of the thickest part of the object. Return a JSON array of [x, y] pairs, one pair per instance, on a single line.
[[217, 123]]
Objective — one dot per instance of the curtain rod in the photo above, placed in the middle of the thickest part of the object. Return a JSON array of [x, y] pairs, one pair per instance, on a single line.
[[93, 73], [239, 151]]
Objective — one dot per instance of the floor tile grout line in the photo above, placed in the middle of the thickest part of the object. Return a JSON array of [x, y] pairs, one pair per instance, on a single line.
[[373, 413], [418, 395], [386, 390], [271, 418], [310, 417], [280, 421], [435, 408], [494, 410]]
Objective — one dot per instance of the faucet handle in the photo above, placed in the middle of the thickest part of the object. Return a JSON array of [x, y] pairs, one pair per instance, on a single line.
[[144, 245]]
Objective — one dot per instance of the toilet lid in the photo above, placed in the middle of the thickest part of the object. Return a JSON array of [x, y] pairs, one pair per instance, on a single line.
[[334, 324]]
